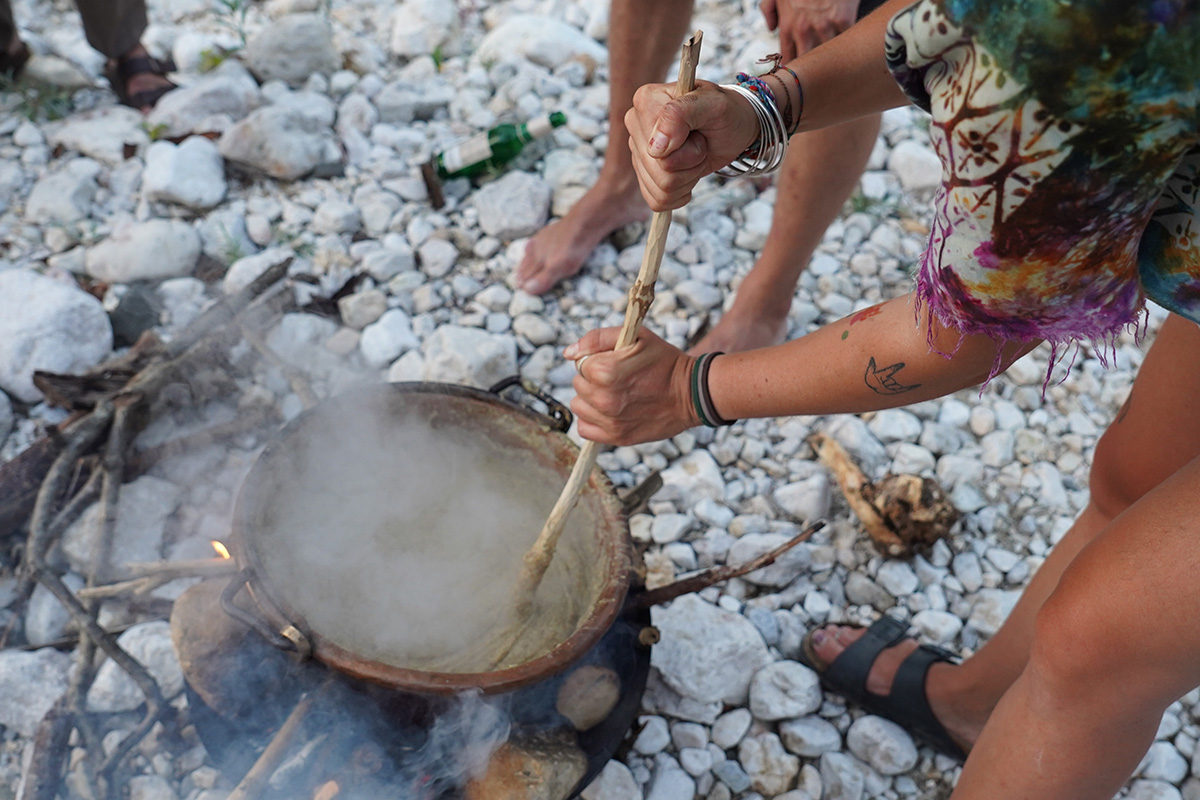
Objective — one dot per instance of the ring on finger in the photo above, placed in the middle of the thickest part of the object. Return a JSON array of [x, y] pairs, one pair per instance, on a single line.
[[579, 363]]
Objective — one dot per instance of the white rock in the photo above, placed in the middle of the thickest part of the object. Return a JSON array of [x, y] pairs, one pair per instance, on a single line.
[[190, 174], [454, 354], [438, 257], [771, 768], [542, 40], [30, 684], [842, 777], [390, 261], [670, 527], [421, 26], [654, 736], [939, 626], [730, 727], [280, 142], [916, 165], [669, 782], [150, 644], [706, 653], [145, 251], [536, 328], [897, 578], [383, 341], [103, 133], [895, 425], [47, 618], [360, 309], [615, 782], [968, 570], [1152, 790], [1163, 762], [143, 509], [991, 608], [47, 325], [336, 216], [810, 736], [697, 475], [64, 196], [783, 690], [293, 48], [882, 744], [245, 270], [698, 296], [513, 206], [228, 91], [807, 499]]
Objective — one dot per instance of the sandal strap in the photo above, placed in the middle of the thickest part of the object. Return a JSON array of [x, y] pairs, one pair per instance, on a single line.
[[141, 65], [907, 703], [847, 675]]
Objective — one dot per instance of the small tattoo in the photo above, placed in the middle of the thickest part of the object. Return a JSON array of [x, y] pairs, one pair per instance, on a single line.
[[866, 313], [883, 381], [844, 335]]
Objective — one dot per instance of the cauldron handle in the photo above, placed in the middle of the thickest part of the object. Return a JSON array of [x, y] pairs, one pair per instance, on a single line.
[[559, 416], [290, 638]]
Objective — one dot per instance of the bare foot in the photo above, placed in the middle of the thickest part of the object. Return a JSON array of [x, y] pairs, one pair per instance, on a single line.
[[830, 641], [559, 251], [736, 331]]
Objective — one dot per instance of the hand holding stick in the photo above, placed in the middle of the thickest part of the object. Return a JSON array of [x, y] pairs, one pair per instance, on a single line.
[[641, 296]]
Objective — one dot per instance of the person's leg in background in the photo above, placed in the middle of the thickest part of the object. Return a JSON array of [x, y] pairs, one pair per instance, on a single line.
[[643, 42], [115, 28]]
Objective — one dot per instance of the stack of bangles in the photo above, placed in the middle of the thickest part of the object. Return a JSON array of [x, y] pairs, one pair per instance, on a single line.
[[701, 398], [767, 152]]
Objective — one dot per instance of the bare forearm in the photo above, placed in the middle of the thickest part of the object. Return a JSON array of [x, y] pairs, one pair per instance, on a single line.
[[877, 358], [847, 77]]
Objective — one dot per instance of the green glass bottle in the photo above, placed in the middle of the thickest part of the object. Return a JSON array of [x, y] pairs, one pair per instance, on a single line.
[[489, 151]]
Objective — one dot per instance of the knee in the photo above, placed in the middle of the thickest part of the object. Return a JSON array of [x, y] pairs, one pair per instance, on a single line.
[[1115, 481], [1086, 653]]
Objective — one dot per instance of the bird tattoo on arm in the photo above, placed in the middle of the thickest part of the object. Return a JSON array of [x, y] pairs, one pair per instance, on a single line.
[[883, 380]]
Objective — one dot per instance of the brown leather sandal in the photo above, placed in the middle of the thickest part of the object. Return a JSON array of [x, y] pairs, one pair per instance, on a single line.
[[120, 72]]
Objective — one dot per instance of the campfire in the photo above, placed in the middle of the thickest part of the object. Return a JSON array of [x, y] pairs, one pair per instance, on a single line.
[[290, 696]]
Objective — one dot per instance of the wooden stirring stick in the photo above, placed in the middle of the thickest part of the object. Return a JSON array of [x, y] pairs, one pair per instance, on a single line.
[[641, 295]]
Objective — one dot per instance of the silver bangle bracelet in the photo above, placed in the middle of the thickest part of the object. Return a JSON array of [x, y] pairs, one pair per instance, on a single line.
[[771, 145]]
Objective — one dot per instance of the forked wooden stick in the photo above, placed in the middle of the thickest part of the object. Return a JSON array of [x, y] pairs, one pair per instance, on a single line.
[[641, 295]]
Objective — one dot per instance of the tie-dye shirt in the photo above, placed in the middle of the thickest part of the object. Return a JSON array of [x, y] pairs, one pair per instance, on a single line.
[[1069, 133]]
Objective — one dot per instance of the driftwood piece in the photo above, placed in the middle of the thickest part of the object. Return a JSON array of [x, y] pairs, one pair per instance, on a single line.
[[717, 574], [901, 513]]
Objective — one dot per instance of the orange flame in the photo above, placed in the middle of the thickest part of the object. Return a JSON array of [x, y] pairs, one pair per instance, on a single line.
[[221, 549]]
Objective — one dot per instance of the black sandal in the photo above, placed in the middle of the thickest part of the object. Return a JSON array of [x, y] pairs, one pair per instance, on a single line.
[[11, 64], [120, 72], [906, 704]]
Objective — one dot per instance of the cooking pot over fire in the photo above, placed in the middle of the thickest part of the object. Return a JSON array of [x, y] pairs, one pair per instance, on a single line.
[[383, 532]]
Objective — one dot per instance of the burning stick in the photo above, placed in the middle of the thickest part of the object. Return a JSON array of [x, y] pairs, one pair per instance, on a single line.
[[641, 295], [253, 783]]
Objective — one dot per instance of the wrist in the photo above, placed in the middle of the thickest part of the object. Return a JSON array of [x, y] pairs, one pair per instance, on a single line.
[[702, 401]]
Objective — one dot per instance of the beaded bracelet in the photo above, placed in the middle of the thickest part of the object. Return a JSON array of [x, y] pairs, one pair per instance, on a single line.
[[701, 398], [767, 152]]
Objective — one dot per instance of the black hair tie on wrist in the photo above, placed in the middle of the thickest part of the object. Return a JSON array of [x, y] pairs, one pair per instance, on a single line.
[[701, 397]]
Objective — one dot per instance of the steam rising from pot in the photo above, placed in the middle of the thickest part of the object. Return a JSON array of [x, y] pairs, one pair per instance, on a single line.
[[399, 536]]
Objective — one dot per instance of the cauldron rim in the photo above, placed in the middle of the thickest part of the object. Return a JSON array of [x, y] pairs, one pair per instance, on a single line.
[[616, 550]]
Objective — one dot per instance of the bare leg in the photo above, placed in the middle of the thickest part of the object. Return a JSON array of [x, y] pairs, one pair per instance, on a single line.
[[642, 43], [821, 171], [1154, 436]]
